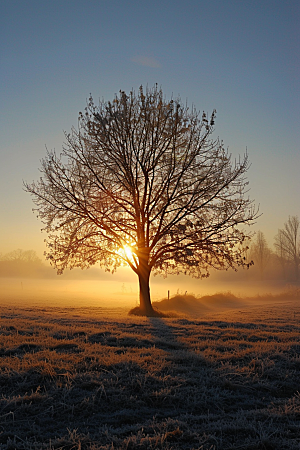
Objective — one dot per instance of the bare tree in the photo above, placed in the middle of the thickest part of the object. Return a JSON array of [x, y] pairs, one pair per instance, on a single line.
[[260, 253], [280, 252], [142, 182], [287, 244]]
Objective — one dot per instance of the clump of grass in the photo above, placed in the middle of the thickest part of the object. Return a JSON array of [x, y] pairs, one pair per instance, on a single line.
[[138, 311]]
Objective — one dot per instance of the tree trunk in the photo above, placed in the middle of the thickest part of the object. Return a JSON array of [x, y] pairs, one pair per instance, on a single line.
[[145, 300], [143, 272]]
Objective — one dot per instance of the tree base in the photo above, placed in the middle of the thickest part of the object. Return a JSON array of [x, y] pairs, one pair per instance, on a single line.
[[138, 311]]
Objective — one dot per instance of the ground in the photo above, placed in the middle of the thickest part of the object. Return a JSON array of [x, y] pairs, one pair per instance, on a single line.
[[90, 378]]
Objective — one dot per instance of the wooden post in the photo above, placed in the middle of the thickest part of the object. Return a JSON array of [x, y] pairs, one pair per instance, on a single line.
[[168, 295]]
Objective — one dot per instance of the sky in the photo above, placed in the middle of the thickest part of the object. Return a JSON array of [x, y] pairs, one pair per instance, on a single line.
[[238, 57]]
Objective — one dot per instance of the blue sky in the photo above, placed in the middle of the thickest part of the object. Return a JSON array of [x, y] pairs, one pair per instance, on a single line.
[[240, 57]]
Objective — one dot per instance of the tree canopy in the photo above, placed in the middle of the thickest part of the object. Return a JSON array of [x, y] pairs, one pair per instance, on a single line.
[[142, 181]]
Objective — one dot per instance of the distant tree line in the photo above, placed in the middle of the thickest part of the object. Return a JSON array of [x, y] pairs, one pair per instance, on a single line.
[[21, 263], [27, 256], [26, 264], [283, 261]]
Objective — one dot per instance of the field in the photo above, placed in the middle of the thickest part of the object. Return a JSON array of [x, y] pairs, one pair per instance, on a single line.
[[94, 378]]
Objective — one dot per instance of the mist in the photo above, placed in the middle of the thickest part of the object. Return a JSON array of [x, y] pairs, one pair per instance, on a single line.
[[96, 288]]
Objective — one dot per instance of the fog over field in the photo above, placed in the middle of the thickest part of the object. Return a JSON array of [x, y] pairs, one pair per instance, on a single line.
[[122, 291], [96, 287]]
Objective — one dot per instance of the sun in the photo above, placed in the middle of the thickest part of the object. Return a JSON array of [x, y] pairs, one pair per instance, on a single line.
[[127, 253]]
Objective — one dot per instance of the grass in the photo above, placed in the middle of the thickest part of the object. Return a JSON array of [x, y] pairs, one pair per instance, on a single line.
[[138, 311], [83, 379]]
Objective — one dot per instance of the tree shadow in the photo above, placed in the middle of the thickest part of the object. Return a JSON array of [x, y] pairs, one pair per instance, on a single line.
[[197, 379], [166, 339], [207, 386]]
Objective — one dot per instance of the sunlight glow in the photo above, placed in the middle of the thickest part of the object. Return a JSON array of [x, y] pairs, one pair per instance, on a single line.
[[128, 253]]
